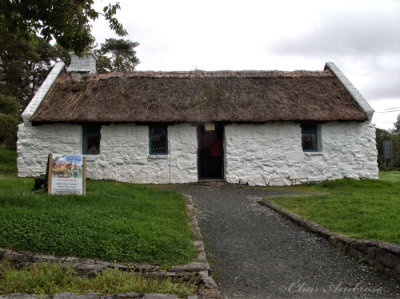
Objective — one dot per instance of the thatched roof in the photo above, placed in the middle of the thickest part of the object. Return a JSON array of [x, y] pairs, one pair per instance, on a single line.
[[240, 96]]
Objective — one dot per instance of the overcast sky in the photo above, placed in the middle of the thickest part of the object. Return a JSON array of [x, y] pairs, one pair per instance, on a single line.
[[361, 37]]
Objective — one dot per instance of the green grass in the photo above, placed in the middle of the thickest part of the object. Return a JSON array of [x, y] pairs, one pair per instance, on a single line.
[[8, 161], [48, 278], [114, 221], [365, 209]]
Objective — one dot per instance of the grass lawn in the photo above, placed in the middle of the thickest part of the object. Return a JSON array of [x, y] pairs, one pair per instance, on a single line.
[[113, 222], [365, 209], [8, 161], [50, 278]]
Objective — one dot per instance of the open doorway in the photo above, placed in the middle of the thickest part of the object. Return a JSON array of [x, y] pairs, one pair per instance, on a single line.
[[210, 155]]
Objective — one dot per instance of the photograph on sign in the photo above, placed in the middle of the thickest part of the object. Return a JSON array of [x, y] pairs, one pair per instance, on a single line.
[[66, 174]]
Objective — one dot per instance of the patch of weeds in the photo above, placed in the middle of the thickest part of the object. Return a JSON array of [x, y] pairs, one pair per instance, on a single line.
[[51, 278]]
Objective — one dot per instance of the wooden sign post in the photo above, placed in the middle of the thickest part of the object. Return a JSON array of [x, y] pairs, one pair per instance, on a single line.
[[66, 174]]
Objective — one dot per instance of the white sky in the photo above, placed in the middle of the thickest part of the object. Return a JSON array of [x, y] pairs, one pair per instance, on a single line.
[[361, 37]]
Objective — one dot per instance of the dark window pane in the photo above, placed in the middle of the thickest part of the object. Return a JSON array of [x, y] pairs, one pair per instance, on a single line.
[[92, 130], [158, 141], [91, 140], [309, 127], [158, 131], [309, 139], [158, 144]]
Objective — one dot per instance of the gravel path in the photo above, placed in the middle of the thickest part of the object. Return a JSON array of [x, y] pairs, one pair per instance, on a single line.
[[256, 253]]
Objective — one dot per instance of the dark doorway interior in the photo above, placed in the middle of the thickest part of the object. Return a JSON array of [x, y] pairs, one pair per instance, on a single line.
[[210, 152]]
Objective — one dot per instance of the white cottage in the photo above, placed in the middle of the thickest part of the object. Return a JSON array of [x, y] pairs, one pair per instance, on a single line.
[[250, 127]]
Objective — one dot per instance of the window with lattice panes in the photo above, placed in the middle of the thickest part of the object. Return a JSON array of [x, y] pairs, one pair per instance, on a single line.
[[91, 140], [158, 140], [309, 137]]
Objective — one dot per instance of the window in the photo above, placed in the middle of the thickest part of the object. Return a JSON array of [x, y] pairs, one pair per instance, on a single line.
[[158, 140], [91, 140], [309, 137]]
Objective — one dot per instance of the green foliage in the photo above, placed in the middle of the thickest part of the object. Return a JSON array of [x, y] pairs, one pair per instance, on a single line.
[[25, 64], [382, 135], [396, 129], [8, 119], [26, 55], [48, 278], [66, 21], [8, 127], [114, 221], [26, 29], [8, 105], [116, 55], [366, 209]]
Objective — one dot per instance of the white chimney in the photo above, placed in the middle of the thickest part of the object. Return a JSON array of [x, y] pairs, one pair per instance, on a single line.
[[82, 66]]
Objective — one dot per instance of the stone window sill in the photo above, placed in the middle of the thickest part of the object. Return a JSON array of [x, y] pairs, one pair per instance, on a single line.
[[155, 157], [313, 153], [91, 157]]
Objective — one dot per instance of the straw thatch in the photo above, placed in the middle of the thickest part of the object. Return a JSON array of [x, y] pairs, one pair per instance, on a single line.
[[199, 97]]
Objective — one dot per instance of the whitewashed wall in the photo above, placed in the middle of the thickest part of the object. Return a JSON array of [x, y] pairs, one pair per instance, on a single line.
[[124, 152], [124, 156], [271, 154], [35, 143], [268, 154]]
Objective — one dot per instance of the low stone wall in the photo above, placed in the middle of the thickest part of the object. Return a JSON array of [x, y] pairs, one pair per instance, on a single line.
[[384, 256], [198, 269]]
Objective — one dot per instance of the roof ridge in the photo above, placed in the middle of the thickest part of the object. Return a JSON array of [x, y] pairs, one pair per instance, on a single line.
[[215, 74]]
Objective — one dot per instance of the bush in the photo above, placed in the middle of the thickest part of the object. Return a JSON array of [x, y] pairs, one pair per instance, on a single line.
[[8, 120]]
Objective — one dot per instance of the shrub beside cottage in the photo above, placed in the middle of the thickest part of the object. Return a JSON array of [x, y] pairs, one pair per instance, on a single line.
[[251, 127]]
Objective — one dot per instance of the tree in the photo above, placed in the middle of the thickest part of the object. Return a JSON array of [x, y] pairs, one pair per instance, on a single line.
[[26, 55], [396, 129], [116, 55], [25, 64], [27, 27], [8, 119], [66, 21]]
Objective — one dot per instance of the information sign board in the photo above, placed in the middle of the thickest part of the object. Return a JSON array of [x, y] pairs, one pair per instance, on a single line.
[[66, 174]]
